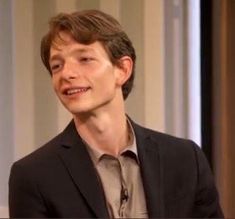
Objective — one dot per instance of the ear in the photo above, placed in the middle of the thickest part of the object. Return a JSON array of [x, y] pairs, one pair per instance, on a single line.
[[124, 70]]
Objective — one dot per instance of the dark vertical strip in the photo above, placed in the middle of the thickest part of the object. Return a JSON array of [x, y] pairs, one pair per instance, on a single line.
[[206, 78]]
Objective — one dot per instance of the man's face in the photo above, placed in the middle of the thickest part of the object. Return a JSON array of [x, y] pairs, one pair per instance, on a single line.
[[83, 77]]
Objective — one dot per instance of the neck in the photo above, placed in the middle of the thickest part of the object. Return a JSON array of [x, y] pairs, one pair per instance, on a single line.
[[107, 131]]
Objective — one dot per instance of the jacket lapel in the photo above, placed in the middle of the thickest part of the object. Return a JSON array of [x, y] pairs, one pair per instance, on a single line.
[[80, 167], [151, 171]]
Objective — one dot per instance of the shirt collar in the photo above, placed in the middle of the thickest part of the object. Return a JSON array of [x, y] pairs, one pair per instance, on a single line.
[[97, 154]]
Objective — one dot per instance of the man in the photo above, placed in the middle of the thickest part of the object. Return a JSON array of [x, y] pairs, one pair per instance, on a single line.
[[103, 164]]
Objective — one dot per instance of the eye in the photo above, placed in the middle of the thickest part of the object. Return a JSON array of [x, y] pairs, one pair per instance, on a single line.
[[55, 67], [86, 59]]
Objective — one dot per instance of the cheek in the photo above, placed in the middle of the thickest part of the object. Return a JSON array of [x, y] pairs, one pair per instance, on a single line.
[[55, 84]]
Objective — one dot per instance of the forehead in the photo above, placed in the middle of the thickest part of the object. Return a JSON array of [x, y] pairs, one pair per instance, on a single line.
[[65, 43]]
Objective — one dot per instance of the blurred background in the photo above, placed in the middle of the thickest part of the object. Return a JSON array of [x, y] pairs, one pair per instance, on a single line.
[[184, 82]]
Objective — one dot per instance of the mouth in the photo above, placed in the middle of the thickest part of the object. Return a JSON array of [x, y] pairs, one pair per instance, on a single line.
[[73, 91]]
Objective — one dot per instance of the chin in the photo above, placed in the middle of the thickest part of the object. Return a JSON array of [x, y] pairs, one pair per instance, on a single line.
[[79, 110], [76, 108]]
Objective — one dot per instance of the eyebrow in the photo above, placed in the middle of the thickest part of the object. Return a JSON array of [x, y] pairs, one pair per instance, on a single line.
[[76, 50]]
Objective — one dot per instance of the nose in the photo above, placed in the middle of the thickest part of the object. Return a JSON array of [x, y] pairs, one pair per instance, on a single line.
[[69, 71]]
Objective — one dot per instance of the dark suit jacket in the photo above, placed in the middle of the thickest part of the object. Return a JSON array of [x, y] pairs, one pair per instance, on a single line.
[[59, 179]]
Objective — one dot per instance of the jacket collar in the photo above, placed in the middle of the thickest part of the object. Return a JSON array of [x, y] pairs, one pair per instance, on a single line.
[[150, 165], [76, 159]]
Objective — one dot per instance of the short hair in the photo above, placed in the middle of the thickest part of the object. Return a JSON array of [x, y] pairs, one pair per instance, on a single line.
[[87, 27]]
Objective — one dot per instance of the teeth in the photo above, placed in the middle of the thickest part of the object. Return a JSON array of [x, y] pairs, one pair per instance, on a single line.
[[77, 90]]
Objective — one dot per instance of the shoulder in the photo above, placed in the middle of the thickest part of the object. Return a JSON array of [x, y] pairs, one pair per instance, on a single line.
[[180, 156], [163, 139], [35, 167], [49, 151], [169, 147], [44, 153]]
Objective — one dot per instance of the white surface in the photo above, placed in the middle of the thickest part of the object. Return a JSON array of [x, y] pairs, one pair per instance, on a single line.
[[194, 119]]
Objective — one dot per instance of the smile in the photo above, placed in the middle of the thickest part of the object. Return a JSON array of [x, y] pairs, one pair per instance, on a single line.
[[76, 90]]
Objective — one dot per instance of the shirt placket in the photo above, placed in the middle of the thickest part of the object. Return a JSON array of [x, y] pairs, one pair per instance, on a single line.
[[123, 192]]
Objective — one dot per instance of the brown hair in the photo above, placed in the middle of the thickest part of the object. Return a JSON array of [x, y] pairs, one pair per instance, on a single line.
[[89, 26]]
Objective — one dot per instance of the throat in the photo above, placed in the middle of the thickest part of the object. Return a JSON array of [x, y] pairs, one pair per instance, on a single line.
[[110, 139]]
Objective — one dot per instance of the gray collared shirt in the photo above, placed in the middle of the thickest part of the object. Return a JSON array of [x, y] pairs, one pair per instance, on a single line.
[[121, 180]]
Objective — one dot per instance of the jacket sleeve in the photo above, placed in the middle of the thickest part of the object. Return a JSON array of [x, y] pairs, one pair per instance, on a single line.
[[206, 201], [25, 200]]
